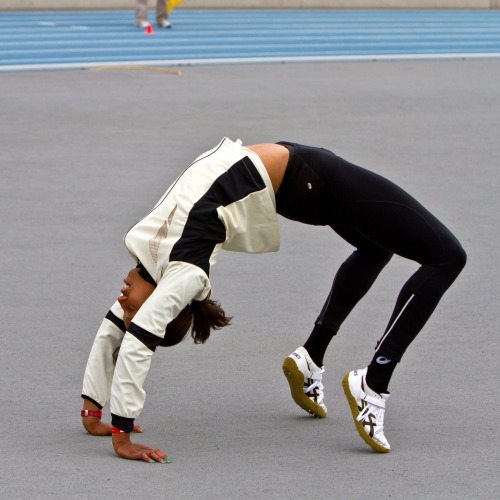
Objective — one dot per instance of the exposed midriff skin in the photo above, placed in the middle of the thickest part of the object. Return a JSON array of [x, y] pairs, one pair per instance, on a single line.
[[275, 159]]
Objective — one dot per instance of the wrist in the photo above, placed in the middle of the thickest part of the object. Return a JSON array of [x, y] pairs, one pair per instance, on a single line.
[[115, 430], [124, 423], [120, 440]]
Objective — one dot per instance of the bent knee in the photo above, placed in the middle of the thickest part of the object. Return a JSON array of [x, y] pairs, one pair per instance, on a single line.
[[457, 258]]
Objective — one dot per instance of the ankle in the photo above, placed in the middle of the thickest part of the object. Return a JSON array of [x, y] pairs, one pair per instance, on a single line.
[[318, 342], [379, 374]]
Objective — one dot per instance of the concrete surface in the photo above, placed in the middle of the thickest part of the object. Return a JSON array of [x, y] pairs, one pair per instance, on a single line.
[[86, 153]]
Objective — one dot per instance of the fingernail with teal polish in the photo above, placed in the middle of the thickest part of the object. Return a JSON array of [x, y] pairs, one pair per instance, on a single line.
[[152, 461], [169, 460], [163, 461]]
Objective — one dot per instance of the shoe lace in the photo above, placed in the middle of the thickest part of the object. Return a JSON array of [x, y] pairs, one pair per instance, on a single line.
[[316, 384], [373, 407]]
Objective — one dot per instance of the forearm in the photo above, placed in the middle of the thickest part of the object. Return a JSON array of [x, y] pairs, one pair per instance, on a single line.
[[127, 394], [100, 366], [182, 283]]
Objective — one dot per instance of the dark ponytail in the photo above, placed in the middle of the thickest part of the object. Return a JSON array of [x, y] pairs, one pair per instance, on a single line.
[[202, 317]]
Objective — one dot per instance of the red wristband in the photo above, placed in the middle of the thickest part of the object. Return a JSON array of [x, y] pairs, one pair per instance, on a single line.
[[115, 430], [91, 413]]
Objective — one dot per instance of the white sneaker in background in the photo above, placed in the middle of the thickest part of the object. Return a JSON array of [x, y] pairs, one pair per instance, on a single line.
[[165, 24]]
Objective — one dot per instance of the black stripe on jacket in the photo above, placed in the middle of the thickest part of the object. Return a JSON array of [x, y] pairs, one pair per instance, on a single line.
[[204, 229], [115, 320], [147, 338]]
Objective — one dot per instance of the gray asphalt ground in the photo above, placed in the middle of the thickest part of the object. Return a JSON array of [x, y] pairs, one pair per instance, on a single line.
[[84, 154]]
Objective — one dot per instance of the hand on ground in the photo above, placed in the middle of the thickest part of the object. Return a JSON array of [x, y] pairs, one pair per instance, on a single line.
[[134, 451]]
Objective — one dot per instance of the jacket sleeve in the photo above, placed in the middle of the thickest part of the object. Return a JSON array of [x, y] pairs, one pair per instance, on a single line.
[[100, 367], [180, 284]]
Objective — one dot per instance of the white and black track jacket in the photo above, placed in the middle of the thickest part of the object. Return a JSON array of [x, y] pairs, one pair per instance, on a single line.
[[224, 199]]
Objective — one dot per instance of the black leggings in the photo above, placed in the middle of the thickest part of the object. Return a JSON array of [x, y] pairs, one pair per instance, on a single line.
[[379, 219]]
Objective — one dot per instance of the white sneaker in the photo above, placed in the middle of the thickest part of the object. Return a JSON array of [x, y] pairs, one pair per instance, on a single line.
[[165, 24], [304, 378], [142, 24], [367, 408]]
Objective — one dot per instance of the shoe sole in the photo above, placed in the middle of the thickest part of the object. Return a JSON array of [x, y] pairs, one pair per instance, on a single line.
[[359, 425], [296, 382]]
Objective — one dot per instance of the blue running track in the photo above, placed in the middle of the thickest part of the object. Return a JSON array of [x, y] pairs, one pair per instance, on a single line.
[[83, 39]]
